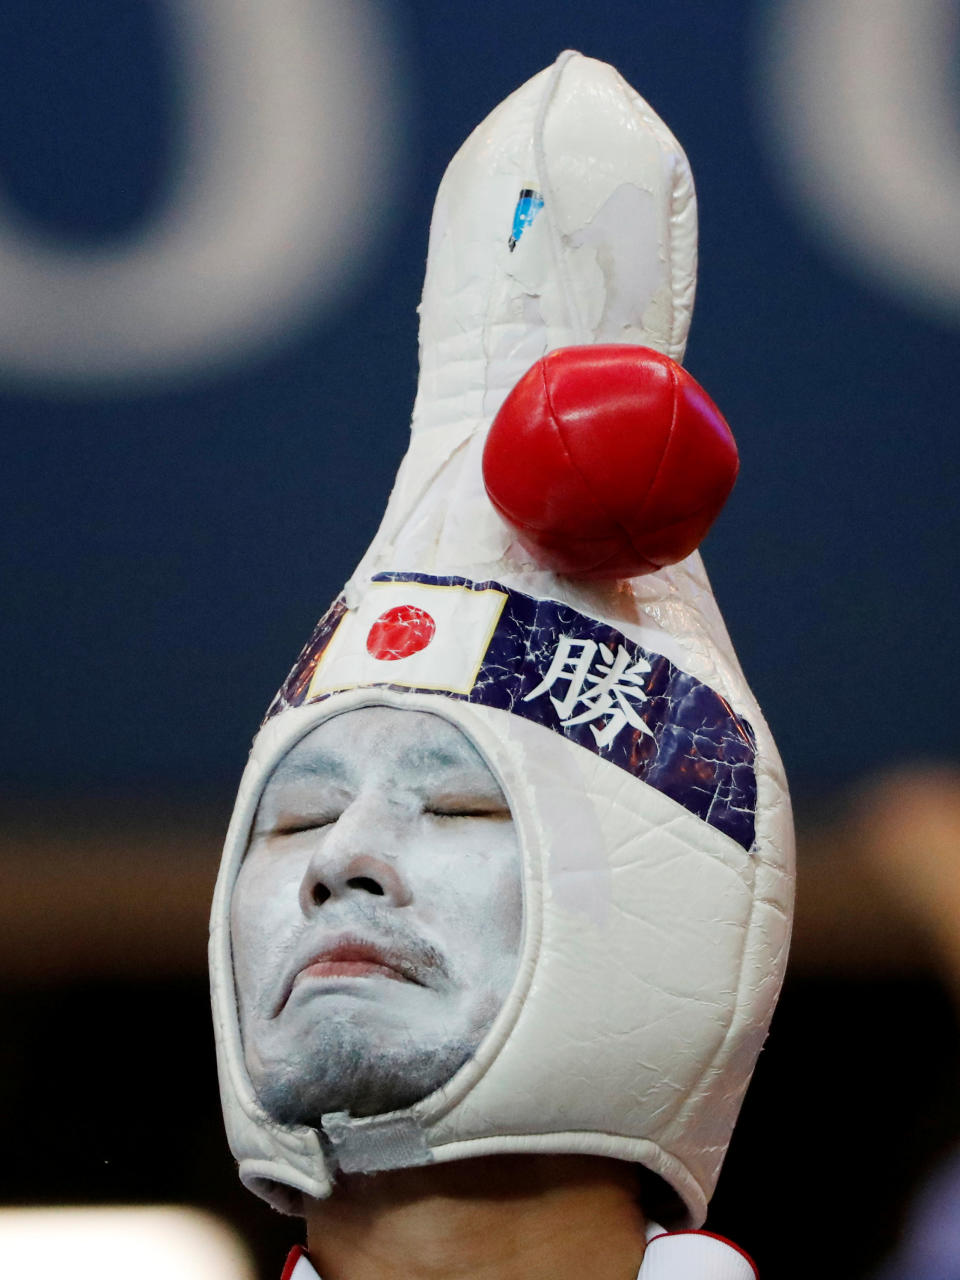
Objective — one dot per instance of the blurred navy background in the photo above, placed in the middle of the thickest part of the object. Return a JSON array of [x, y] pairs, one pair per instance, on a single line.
[[170, 541], [213, 224]]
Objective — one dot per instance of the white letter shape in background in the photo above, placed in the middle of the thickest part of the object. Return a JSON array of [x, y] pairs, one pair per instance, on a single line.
[[861, 101], [287, 167]]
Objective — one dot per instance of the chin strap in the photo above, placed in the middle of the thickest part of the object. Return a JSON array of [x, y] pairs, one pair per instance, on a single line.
[[676, 1255]]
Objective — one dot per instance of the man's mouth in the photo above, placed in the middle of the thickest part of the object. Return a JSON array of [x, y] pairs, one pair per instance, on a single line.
[[355, 958]]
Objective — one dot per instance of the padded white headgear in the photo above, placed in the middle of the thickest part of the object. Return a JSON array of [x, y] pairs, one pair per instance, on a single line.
[[657, 860]]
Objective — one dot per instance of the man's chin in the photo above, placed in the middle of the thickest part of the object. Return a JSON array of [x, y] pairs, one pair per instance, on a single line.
[[364, 1075]]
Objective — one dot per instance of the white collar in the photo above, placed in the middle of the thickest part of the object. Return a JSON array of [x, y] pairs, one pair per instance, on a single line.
[[298, 1266]]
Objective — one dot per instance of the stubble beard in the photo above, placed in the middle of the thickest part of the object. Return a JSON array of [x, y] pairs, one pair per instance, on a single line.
[[346, 1067]]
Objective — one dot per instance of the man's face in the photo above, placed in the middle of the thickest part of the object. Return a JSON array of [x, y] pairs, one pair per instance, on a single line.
[[377, 917]]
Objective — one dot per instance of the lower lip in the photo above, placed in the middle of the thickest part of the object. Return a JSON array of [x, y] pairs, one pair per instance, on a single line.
[[349, 969]]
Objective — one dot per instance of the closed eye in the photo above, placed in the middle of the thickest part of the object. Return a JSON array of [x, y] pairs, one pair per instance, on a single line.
[[466, 811], [307, 824]]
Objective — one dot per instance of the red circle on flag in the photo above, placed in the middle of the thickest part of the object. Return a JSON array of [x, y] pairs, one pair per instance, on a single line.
[[400, 632]]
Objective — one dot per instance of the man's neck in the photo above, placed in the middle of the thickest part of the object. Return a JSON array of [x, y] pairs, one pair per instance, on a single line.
[[493, 1218]]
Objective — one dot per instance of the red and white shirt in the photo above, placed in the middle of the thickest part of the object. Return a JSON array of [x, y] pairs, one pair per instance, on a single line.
[[670, 1255]]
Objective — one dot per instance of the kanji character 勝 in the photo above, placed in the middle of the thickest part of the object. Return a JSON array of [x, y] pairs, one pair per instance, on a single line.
[[607, 685]]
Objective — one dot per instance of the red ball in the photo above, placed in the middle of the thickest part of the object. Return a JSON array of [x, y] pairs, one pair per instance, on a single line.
[[609, 461]]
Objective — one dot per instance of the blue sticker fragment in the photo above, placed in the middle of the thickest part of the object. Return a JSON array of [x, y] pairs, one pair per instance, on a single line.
[[583, 679], [528, 206]]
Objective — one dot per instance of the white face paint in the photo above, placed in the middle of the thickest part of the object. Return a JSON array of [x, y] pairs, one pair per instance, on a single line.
[[377, 917]]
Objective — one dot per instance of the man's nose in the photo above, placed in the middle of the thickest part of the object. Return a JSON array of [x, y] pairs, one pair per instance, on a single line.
[[357, 857]]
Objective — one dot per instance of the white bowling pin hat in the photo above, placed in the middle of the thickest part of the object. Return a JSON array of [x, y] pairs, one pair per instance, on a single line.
[[649, 798]]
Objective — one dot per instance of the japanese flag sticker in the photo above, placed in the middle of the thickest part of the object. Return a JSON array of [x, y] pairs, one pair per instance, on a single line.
[[419, 635]]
